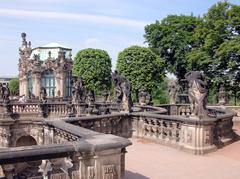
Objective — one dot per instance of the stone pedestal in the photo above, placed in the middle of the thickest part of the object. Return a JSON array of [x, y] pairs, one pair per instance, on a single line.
[[104, 165], [198, 136], [8, 171]]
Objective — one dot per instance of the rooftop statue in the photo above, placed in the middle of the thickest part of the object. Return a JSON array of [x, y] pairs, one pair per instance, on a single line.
[[6, 94], [197, 93], [1, 92]]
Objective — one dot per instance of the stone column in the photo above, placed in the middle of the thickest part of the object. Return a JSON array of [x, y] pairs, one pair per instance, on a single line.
[[23, 86], [60, 84], [36, 80]]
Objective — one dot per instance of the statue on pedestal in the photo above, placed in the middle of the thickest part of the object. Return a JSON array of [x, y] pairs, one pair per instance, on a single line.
[[144, 98], [197, 93], [6, 94], [43, 94], [122, 91], [172, 90], [117, 80], [126, 100], [90, 97], [1, 92], [78, 90], [222, 96]]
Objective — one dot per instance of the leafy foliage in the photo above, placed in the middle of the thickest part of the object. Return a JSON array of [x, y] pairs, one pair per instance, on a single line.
[[94, 66], [160, 94], [14, 86], [172, 38], [209, 44], [142, 67]]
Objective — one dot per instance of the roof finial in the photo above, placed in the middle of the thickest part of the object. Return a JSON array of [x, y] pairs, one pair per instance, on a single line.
[[24, 42]]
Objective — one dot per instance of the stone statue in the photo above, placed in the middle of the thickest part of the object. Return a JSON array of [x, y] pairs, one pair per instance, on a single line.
[[70, 109], [31, 95], [222, 96], [197, 93], [6, 94], [126, 100], [24, 41], [117, 80], [43, 94], [172, 90], [78, 90], [90, 97], [1, 92], [144, 98], [122, 91], [105, 93]]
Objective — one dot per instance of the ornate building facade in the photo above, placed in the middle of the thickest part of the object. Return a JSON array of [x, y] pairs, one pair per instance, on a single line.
[[47, 66]]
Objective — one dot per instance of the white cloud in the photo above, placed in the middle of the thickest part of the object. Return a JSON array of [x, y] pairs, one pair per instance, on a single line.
[[99, 19]]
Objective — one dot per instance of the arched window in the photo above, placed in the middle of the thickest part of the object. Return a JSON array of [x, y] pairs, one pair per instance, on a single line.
[[68, 84], [48, 82], [29, 82]]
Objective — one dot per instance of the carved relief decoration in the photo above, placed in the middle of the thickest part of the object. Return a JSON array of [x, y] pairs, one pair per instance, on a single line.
[[109, 172], [90, 172], [4, 137]]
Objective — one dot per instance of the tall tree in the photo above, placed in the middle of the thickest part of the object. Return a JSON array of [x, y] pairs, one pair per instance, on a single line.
[[172, 38], [217, 39], [94, 66], [142, 67]]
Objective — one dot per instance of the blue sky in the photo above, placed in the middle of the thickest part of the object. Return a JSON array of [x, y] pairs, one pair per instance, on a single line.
[[111, 25]]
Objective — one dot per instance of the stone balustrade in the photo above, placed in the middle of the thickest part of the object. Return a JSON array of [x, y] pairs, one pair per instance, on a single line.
[[89, 144], [119, 124], [196, 136], [51, 109], [82, 153]]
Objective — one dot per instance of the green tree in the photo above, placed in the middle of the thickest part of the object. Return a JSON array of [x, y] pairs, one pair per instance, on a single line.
[[172, 38], [217, 52], [209, 43], [228, 65], [94, 66], [160, 94], [219, 25], [14, 86], [142, 67]]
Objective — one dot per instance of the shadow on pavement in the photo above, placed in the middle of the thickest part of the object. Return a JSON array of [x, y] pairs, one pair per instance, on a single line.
[[131, 175]]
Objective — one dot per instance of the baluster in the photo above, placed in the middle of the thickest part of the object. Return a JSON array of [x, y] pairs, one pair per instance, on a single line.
[[155, 129]]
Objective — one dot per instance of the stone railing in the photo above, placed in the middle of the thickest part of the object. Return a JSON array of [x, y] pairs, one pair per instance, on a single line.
[[193, 135], [235, 109], [177, 109], [150, 109], [52, 109], [119, 124], [74, 152]]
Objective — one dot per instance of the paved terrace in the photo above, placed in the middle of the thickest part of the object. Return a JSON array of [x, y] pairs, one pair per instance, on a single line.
[[148, 160]]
